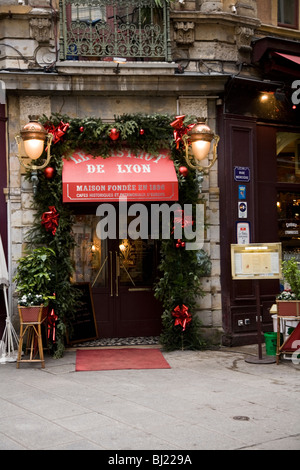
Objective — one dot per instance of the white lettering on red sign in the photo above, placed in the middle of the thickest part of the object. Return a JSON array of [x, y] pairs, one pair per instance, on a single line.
[[123, 168], [80, 156], [95, 169]]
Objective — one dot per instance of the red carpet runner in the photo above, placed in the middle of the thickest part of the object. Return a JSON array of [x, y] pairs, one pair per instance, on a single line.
[[117, 359]]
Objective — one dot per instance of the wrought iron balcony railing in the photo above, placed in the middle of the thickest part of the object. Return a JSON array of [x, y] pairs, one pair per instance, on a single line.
[[103, 29]]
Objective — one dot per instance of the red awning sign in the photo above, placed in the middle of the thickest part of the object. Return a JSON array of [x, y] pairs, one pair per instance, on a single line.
[[292, 58], [137, 176]]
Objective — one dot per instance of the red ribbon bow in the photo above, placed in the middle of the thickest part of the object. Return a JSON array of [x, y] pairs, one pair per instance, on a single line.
[[52, 318], [57, 132], [182, 316], [50, 220], [180, 129], [182, 219]]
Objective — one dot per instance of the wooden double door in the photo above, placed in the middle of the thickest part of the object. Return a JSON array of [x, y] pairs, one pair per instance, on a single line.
[[121, 273]]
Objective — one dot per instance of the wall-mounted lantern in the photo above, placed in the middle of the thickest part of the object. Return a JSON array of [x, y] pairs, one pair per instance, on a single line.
[[32, 140]]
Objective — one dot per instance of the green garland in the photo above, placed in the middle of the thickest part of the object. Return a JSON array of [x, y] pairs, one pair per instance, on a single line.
[[180, 282], [181, 270]]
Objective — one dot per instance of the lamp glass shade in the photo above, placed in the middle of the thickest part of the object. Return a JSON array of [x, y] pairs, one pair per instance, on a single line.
[[200, 149], [34, 148]]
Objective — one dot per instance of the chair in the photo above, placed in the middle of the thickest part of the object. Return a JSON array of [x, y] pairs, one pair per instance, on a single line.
[[31, 320]]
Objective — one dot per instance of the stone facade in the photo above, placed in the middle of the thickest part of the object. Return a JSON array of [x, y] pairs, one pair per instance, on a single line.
[[211, 40]]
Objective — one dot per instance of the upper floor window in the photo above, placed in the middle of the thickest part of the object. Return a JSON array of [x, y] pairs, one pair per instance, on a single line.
[[103, 29], [288, 13], [87, 13]]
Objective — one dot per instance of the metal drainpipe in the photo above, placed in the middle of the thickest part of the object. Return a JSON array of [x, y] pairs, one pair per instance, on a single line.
[[8, 212], [177, 107]]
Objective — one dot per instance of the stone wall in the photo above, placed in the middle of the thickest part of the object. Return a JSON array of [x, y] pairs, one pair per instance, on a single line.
[[209, 306], [19, 192], [215, 37], [27, 34]]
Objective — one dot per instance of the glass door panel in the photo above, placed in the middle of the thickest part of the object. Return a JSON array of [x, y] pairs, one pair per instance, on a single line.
[[137, 262], [90, 254], [288, 157], [288, 207], [288, 199]]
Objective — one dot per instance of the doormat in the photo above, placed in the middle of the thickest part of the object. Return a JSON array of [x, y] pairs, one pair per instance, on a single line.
[[129, 341], [118, 359]]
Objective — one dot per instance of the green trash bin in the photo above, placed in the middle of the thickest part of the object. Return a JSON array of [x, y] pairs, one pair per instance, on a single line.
[[271, 343]]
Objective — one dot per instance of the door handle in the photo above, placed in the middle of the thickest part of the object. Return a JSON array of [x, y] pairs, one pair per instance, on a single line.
[[123, 266], [99, 272], [111, 274], [140, 289], [117, 273]]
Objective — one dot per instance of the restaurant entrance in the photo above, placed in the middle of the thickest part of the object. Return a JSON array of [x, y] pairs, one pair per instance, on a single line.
[[121, 273]]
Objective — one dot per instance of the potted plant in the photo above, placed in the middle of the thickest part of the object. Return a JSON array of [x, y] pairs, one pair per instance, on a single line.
[[288, 301], [34, 280]]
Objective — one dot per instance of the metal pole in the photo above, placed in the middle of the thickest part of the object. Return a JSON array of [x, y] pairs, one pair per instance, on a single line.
[[259, 359]]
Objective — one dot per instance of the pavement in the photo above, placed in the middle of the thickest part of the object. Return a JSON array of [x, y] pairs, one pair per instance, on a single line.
[[207, 400]]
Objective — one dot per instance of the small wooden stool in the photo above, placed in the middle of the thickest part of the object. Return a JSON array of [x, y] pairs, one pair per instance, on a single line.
[[31, 319]]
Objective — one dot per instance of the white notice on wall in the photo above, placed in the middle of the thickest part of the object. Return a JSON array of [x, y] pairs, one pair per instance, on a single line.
[[243, 233], [242, 210]]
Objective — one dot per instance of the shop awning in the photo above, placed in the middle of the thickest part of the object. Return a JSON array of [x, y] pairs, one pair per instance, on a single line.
[[279, 58], [137, 176], [292, 58]]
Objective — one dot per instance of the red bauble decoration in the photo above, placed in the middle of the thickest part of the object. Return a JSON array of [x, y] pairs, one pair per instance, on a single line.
[[178, 244], [183, 171], [142, 132], [81, 129], [49, 172], [114, 134]]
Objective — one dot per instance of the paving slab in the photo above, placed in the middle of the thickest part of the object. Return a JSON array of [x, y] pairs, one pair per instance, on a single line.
[[207, 400]]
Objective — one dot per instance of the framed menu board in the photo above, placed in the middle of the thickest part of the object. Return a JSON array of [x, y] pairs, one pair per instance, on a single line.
[[256, 261], [84, 326]]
